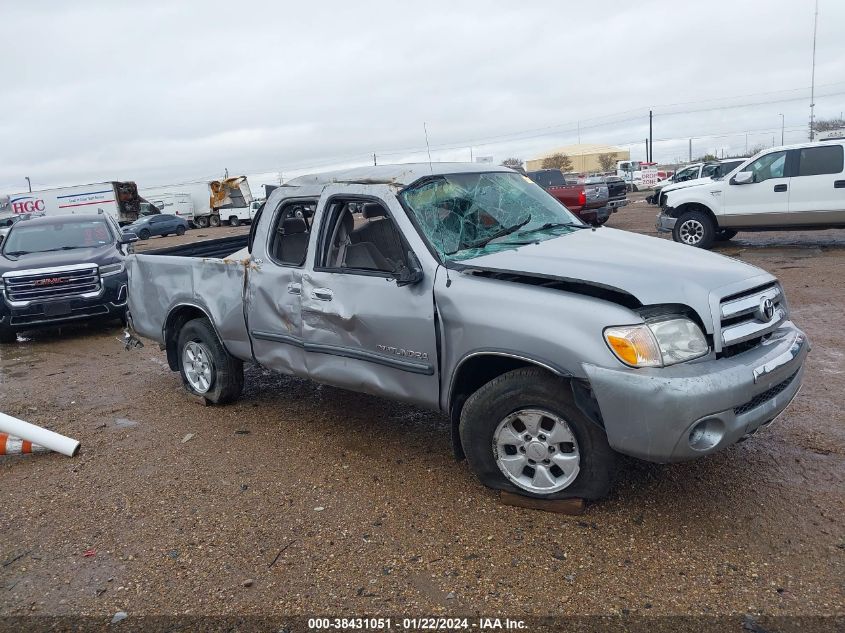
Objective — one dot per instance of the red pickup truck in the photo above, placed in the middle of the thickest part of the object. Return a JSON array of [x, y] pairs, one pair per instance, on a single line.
[[588, 202]]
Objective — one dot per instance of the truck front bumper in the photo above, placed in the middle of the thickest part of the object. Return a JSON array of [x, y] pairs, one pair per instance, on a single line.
[[665, 223], [108, 303], [693, 409]]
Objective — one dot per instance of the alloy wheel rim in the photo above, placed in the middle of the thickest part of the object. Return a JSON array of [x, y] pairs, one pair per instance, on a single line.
[[691, 231], [537, 451], [199, 368]]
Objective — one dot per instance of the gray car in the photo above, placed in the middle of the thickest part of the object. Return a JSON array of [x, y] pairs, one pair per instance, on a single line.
[[550, 345], [162, 224]]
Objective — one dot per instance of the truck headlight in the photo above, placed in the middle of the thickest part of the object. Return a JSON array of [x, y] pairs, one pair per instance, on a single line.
[[657, 343], [111, 269]]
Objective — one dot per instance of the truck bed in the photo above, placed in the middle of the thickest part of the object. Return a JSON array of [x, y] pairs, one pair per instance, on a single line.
[[202, 275]]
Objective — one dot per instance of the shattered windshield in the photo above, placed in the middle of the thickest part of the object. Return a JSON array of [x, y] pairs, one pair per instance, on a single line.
[[467, 215]]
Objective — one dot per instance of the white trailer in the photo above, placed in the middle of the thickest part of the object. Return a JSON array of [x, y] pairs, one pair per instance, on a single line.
[[212, 201], [117, 199], [178, 204]]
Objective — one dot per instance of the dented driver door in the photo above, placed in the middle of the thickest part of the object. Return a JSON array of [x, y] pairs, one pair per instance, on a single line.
[[363, 331]]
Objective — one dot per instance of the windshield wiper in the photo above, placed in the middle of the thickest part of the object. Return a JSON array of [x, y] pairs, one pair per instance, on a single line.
[[60, 248], [501, 233], [554, 225], [16, 253]]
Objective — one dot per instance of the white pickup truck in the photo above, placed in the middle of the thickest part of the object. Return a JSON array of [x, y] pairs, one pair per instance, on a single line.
[[791, 187]]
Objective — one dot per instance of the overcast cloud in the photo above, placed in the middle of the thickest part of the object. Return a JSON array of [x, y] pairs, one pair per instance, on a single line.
[[167, 92]]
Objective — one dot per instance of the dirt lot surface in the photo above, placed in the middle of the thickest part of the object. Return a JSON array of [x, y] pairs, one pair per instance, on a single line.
[[304, 499]]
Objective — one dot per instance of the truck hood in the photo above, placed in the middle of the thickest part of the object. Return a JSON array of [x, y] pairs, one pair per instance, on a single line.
[[651, 270], [687, 183], [101, 255]]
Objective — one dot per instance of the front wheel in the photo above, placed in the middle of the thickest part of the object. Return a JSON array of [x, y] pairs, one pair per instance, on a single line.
[[207, 369], [233, 221], [695, 228], [143, 234], [523, 433], [180, 231]]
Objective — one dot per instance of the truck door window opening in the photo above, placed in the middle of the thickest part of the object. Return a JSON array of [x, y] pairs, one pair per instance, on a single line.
[[291, 233], [768, 166], [458, 210], [361, 235], [817, 161]]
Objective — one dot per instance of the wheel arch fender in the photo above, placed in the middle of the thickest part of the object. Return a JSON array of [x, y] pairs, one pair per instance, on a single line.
[[696, 206], [477, 368], [176, 318]]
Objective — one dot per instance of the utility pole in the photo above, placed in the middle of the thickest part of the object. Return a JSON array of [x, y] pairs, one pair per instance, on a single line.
[[690, 150], [28, 183], [647, 159], [650, 157], [781, 129], [813, 76], [226, 172], [375, 162], [470, 154]]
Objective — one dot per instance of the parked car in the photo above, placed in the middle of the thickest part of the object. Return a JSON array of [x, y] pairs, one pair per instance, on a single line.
[[162, 224], [694, 175], [792, 187], [549, 345], [588, 202], [58, 269]]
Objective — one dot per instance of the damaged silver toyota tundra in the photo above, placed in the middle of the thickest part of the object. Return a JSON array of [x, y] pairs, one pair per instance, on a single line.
[[551, 345]]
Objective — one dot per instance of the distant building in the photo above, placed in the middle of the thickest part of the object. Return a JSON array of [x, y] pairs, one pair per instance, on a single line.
[[585, 157]]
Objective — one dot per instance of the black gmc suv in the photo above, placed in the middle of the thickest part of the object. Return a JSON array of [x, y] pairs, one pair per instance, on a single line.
[[60, 269]]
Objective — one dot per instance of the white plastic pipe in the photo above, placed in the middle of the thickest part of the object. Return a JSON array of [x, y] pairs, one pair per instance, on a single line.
[[37, 435]]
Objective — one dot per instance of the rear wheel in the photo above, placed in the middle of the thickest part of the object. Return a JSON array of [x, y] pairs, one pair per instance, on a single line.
[[180, 230], [207, 369], [215, 220], [202, 222], [144, 234], [694, 228], [233, 221], [522, 432]]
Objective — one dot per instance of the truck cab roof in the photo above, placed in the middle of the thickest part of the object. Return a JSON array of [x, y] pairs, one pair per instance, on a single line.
[[401, 175]]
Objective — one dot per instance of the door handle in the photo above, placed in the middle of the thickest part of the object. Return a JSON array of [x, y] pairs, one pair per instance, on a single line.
[[294, 288], [839, 184], [322, 294], [780, 188]]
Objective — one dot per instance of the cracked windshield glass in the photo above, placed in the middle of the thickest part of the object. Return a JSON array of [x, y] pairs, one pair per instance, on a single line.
[[467, 215]]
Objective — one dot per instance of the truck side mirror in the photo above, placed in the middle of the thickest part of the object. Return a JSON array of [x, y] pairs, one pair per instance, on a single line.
[[127, 238], [409, 273], [743, 178]]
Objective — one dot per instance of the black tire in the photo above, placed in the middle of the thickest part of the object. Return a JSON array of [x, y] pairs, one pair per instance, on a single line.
[[227, 372], [695, 228], [144, 234], [202, 222], [725, 234], [180, 231], [602, 221], [7, 336], [532, 387], [233, 221], [214, 220]]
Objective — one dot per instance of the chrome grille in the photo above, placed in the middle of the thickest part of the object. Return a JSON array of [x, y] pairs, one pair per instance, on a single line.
[[743, 317], [48, 284]]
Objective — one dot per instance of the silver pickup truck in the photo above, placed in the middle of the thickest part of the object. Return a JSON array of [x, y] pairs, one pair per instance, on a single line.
[[551, 345]]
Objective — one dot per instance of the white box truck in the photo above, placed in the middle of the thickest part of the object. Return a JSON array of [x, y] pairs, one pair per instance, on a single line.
[[178, 204], [117, 199], [228, 199]]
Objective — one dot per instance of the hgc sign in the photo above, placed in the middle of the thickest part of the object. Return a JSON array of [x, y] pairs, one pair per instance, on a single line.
[[27, 204]]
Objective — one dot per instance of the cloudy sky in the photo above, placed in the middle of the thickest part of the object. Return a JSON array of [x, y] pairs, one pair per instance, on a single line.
[[168, 92]]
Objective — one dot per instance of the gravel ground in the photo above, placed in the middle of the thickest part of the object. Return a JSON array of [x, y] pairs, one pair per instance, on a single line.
[[304, 499]]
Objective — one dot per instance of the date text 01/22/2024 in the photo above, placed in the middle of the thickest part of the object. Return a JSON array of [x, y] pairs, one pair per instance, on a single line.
[[423, 623]]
